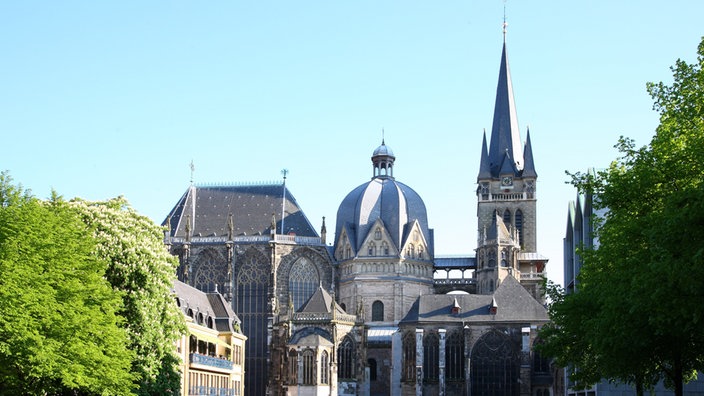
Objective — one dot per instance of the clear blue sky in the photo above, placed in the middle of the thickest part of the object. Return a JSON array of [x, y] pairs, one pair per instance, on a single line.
[[100, 99]]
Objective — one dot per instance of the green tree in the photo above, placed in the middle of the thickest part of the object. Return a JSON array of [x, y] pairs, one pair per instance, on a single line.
[[638, 315], [60, 331], [141, 268]]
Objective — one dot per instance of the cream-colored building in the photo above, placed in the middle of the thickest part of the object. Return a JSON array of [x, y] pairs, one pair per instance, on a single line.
[[212, 351]]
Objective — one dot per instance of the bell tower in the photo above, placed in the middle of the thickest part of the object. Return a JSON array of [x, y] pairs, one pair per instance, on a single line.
[[506, 198]]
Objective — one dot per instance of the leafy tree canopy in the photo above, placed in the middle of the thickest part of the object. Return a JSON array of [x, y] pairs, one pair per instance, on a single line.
[[60, 324], [637, 316]]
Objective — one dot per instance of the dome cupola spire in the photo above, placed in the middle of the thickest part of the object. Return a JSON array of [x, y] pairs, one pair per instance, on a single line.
[[383, 160]]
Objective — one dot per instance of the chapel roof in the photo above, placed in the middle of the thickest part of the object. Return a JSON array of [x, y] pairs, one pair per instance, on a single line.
[[513, 305], [244, 209]]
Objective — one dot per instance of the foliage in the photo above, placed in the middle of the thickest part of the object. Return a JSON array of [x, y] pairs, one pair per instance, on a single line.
[[638, 316], [60, 329], [141, 267]]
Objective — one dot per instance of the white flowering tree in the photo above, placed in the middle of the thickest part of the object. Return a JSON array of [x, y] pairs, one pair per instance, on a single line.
[[140, 267]]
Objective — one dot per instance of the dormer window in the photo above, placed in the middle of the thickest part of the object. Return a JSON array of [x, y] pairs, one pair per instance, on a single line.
[[455, 309], [494, 307]]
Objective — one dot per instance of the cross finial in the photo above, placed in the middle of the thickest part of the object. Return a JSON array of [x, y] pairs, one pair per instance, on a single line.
[[382, 136], [193, 170]]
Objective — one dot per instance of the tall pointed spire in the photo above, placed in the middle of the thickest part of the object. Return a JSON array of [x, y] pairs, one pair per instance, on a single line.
[[529, 165], [484, 166], [505, 135]]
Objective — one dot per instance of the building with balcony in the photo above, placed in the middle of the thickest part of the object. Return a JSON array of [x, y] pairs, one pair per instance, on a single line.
[[213, 349]]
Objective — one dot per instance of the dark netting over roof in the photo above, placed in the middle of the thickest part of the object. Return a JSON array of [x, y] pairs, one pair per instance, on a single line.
[[251, 206], [396, 204]]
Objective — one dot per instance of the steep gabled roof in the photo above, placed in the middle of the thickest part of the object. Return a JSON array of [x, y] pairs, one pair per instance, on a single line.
[[208, 209], [321, 302]]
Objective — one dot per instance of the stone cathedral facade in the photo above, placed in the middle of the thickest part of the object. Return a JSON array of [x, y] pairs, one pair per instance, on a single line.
[[366, 310]]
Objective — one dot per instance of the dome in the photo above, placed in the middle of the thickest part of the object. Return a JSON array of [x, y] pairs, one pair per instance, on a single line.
[[383, 150], [397, 205]]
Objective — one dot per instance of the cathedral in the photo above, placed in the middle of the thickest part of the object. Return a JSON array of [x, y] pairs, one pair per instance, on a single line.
[[370, 310]]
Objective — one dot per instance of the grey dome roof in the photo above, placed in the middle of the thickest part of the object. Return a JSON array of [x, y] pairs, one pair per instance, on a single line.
[[383, 150], [396, 204]]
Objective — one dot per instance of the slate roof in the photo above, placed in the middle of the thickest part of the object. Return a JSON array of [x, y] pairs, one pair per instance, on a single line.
[[395, 203], [208, 210], [505, 154], [529, 163], [209, 304], [320, 302], [514, 304], [505, 135]]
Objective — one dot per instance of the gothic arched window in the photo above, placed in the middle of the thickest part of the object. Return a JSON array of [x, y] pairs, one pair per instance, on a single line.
[[377, 311], [308, 367], [371, 249], [210, 271], [292, 367], [507, 217], [303, 281], [377, 233], [346, 359], [519, 226], [495, 366], [420, 252], [492, 258], [409, 358], [431, 362], [385, 248], [324, 368], [252, 285], [504, 258], [454, 357]]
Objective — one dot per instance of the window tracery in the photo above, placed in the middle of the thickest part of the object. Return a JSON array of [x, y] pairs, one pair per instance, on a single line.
[[210, 272], [409, 358], [431, 362], [454, 357], [303, 281], [494, 366], [346, 359]]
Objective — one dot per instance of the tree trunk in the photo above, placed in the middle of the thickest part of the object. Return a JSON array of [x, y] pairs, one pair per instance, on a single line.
[[679, 377]]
